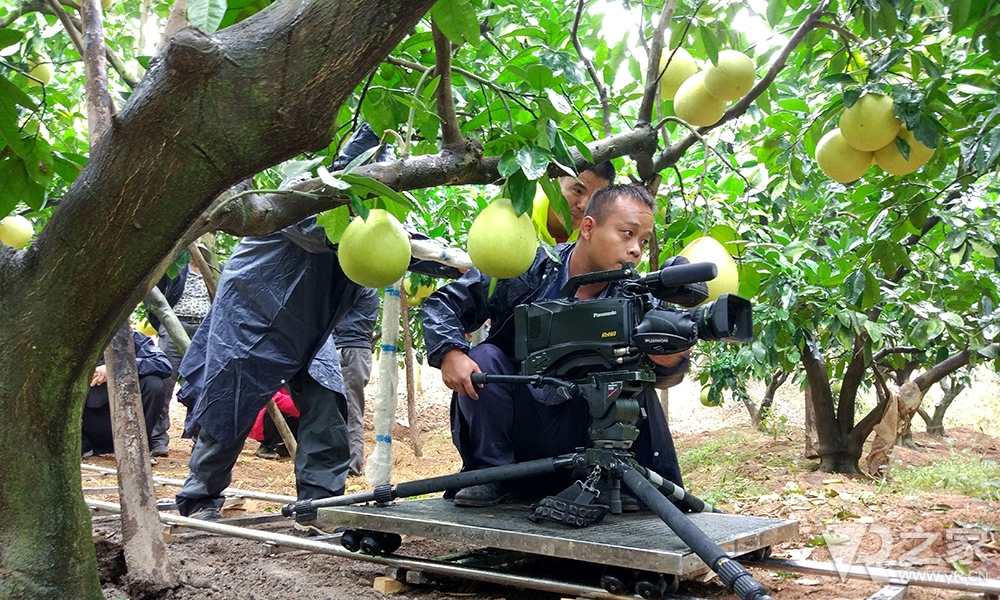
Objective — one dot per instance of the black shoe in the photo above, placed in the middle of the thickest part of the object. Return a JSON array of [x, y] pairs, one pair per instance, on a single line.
[[160, 451], [207, 514], [486, 494]]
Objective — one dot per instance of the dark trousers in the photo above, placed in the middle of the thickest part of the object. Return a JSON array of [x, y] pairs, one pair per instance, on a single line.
[[161, 439], [511, 423], [321, 461], [97, 433], [508, 424]]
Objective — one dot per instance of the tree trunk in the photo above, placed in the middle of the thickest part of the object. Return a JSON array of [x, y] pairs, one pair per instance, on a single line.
[[812, 437], [935, 422], [209, 113], [149, 572]]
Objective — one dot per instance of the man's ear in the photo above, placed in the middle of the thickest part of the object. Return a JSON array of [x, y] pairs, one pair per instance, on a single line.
[[587, 227]]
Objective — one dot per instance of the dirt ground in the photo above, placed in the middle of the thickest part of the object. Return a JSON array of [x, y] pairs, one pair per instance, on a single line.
[[923, 531]]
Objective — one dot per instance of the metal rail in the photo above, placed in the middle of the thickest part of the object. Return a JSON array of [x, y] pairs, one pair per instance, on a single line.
[[180, 482], [402, 562], [947, 581]]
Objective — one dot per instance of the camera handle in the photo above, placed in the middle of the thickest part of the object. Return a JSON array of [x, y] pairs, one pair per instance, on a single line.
[[566, 389]]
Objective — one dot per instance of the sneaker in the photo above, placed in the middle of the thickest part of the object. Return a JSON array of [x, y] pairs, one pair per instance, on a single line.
[[267, 453], [486, 494], [312, 529], [207, 514], [159, 452]]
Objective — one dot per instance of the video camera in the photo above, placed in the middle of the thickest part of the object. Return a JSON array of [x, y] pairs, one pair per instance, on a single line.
[[567, 339]]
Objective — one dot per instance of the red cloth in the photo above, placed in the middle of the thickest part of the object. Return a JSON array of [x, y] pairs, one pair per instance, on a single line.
[[285, 405]]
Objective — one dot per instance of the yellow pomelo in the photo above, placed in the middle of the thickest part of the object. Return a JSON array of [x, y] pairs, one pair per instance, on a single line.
[[105, 4], [695, 105], [146, 328], [889, 158], [732, 78], [40, 67], [16, 231], [706, 249], [416, 291], [502, 244], [374, 252], [681, 67], [839, 160], [870, 124]]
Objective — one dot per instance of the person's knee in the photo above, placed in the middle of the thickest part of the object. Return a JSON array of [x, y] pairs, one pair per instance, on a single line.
[[153, 390], [491, 359]]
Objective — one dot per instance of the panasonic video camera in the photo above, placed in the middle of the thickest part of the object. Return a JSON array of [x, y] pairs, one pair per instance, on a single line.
[[571, 339]]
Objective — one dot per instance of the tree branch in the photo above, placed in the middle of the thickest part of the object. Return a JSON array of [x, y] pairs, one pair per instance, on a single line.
[[260, 214], [673, 153], [894, 350], [451, 134], [653, 70], [601, 90], [819, 382]]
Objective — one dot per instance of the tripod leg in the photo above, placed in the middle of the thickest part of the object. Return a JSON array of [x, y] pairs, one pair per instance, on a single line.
[[731, 573]]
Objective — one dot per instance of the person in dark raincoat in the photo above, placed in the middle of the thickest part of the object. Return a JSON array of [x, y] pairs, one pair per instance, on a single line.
[[499, 424], [278, 300]]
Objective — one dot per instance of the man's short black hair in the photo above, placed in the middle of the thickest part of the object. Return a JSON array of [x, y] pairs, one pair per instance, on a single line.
[[603, 200], [604, 170]]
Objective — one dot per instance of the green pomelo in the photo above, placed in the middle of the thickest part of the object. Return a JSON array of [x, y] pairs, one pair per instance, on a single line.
[[677, 72], [706, 249], [870, 123], [891, 160], [695, 105], [374, 252], [501, 243], [839, 160], [732, 77]]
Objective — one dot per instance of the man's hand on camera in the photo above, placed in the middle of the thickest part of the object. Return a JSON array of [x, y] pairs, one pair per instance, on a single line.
[[456, 372], [669, 360]]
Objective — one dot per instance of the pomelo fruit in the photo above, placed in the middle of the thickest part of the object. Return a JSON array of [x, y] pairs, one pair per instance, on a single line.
[[681, 67], [870, 124], [16, 231], [891, 160], [146, 328], [374, 252], [695, 105], [839, 160], [40, 67], [706, 249], [732, 78], [501, 243], [416, 292]]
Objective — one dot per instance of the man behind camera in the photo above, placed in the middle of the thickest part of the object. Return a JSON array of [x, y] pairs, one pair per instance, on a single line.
[[499, 424]]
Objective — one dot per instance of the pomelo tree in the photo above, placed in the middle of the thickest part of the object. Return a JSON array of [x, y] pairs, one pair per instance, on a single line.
[[509, 91]]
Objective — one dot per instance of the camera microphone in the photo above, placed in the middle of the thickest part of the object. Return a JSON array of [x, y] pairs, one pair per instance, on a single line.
[[680, 274]]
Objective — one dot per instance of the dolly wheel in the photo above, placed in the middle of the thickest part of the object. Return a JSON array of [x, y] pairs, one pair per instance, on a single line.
[[759, 554], [652, 586], [351, 540], [613, 584]]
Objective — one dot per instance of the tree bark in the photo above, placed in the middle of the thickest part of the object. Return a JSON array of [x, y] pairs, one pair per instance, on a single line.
[[935, 422], [209, 113]]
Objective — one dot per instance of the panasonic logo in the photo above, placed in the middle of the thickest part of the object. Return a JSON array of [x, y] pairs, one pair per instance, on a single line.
[[609, 313]]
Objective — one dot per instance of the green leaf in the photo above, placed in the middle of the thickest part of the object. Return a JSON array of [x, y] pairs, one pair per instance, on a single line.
[[882, 65], [17, 186], [952, 319], [854, 286], [775, 11], [335, 182], [508, 164], [9, 37], [521, 191], [334, 221], [926, 132], [851, 97], [904, 148], [557, 201], [11, 92], [534, 161], [581, 147], [373, 186], [457, 20], [959, 13], [711, 44], [206, 14]]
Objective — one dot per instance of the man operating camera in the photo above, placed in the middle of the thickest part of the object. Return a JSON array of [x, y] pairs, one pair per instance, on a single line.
[[500, 424]]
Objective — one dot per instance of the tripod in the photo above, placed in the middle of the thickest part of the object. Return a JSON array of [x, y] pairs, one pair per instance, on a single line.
[[615, 411]]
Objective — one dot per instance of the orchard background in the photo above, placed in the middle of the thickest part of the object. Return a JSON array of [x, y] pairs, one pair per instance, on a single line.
[[865, 285]]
